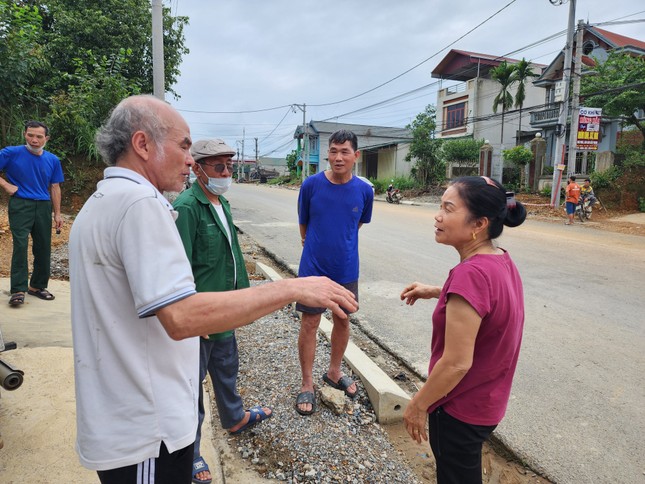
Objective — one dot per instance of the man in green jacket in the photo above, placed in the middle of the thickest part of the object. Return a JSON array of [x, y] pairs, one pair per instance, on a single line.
[[209, 237]]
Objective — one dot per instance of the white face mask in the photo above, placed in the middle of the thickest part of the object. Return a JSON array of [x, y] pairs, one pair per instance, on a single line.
[[218, 186], [35, 151]]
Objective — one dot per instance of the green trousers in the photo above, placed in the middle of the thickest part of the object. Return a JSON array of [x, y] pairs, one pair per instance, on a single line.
[[30, 217]]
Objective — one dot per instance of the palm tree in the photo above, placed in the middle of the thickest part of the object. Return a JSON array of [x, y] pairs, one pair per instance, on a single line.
[[503, 74], [522, 72]]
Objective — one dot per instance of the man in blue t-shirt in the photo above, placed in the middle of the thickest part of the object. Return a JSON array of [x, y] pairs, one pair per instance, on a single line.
[[332, 206], [33, 178]]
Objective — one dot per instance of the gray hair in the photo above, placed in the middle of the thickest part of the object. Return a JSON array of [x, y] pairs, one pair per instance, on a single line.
[[136, 113]]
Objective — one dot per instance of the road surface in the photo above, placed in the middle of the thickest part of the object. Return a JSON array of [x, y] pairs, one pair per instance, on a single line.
[[576, 408]]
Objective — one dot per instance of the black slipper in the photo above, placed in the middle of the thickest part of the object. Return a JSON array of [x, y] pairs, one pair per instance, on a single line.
[[343, 384], [306, 397], [42, 294], [17, 298]]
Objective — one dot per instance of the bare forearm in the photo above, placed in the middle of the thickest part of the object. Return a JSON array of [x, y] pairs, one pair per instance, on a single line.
[[443, 378], [56, 198], [214, 312]]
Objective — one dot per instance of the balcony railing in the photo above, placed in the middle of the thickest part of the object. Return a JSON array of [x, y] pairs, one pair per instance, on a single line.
[[545, 117]]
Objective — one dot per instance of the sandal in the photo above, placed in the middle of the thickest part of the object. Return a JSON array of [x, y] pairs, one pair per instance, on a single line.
[[200, 465], [17, 298], [306, 397], [42, 294], [343, 384], [257, 415]]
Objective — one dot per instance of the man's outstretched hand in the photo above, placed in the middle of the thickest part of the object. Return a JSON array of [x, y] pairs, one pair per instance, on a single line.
[[322, 292]]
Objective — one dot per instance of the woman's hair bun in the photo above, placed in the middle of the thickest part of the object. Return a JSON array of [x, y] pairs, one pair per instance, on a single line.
[[515, 215]]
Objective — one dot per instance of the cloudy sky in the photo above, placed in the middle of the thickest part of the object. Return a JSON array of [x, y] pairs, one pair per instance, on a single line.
[[365, 62]]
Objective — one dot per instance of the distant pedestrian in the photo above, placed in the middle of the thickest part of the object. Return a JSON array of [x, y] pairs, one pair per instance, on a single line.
[[135, 312], [476, 330], [332, 206], [572, 195], [33, 183], [206, 229]]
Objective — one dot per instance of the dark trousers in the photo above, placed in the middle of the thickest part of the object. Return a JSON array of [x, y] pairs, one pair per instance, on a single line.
[[220, 358], [175, 468], [457, 448], [30, 217]]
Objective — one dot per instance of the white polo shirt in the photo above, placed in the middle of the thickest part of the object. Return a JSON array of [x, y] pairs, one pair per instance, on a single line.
[[135, 386]]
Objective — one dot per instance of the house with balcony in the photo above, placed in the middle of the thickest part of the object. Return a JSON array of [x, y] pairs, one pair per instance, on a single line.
[[596, 45], [382, 149], [465, 106]]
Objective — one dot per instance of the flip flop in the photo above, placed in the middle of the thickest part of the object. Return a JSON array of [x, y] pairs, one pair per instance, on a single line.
[[257, 415], [42, 294], [343, 384], [200, 465], [306, 397], [17, 298]]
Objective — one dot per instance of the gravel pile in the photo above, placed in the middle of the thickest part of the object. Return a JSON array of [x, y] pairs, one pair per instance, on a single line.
[[324, 447]]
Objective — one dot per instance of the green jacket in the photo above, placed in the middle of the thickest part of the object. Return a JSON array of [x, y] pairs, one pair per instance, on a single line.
[[207, 246]]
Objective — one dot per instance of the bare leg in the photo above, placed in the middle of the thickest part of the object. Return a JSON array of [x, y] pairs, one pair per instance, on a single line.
[[339, 341], [307, 353]]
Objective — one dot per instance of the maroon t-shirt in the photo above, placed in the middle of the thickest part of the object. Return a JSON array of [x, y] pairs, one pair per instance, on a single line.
[[492, 286]]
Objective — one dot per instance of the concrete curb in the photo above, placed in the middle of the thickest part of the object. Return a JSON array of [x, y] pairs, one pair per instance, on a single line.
[[388, 399]]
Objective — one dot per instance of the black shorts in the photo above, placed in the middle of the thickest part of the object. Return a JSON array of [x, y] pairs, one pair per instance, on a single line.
[[352, 286], [165, 469]]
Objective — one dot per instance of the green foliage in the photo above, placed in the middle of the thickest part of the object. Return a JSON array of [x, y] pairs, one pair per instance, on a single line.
[[546, 191], [631, 155], [400, 182], [641, 204], [606, 178], [464, 149], [94, 90], [292, 162], [519, 155], [504, 74], [101, 28], [617, 87], [429, 168], [521, 74], [20, 59]]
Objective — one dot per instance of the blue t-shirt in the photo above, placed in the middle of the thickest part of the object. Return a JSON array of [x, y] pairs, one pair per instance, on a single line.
[[332, 214], [32, 174]]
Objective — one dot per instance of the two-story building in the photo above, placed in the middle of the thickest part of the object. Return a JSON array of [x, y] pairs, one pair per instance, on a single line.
[[596, 45], [465, 108], [383, 149]]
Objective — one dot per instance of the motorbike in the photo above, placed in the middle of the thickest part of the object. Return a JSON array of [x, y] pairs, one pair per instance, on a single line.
[[393, 195], [584, 208], [10, 378]]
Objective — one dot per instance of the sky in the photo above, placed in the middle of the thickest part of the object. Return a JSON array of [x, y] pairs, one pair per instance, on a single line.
[[254, 64]]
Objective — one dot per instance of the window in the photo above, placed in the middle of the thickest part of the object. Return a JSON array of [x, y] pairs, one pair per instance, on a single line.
[[455, 116]]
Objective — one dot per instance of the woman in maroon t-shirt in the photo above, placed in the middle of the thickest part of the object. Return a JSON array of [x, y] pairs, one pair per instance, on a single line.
[[477, 329]]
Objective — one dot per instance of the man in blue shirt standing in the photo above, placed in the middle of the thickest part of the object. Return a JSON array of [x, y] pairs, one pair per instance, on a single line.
[[332, 206], [33, 178]]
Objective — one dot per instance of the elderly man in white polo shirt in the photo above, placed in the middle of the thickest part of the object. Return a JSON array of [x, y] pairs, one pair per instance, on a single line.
[[135, 313]]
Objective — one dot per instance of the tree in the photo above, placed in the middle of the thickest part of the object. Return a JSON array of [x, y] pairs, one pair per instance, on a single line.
[[429, 168], [94, 29], [617, 88], [504, 74], [292, 162], [519, 156], [20, 58], [466, 149], [521, 74]]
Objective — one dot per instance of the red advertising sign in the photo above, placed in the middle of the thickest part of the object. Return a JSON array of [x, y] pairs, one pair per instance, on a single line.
[[588, 128]]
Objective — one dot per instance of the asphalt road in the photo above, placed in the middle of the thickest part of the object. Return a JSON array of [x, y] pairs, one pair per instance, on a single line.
[[576, 411]]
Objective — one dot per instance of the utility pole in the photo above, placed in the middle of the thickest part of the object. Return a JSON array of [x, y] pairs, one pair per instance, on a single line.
[[158, 83], [575, 99], [305, 141], [558, 160], [241, 165]]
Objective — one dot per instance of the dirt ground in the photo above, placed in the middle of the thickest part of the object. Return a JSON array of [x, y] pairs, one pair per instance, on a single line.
[[498, 467]]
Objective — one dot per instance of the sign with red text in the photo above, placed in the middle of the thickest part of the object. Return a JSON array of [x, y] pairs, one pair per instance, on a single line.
[[588, 128]]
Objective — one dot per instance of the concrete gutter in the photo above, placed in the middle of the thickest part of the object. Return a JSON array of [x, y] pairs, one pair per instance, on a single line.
[[388, 399]]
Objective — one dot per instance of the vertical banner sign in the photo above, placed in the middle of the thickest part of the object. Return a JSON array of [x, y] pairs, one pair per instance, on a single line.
[[588, 128]]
